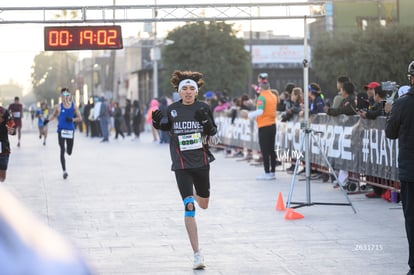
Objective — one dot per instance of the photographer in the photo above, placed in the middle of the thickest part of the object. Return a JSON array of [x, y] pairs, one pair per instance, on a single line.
[[370, 90], [377, 108]]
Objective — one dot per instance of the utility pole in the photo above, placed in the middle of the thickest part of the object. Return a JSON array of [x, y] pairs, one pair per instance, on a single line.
[[155, 53]]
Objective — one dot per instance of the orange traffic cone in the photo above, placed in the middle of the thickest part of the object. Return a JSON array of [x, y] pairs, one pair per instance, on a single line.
[[293, 215], [280, 206]]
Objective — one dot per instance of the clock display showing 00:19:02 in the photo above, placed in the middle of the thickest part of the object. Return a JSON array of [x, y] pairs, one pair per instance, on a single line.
[[62, 38]]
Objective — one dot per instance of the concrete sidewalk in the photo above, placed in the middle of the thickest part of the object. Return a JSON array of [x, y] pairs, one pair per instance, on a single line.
[[121, 207]]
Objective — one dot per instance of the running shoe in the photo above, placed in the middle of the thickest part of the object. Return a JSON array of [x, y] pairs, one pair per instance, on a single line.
[[198, 261], [65, 175], [266, 176]]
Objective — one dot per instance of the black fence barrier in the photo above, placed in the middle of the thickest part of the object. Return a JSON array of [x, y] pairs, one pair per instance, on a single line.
[[351, 143]]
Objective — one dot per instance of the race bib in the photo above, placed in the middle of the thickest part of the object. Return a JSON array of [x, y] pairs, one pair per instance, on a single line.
[[190, 142], [16, 114], [66, 133]]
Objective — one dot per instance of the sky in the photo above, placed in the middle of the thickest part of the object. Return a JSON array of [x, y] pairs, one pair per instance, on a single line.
[[21, 42]]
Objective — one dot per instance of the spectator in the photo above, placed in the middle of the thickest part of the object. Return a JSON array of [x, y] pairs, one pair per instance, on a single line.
[[246, 104], [136, 119], [293, 105], [79, 125], [339, 86], [118, 121], [316, 106], [285, 96], [376, 110], [346, 107], [148, 117], [95, 124], [86, 113], [104, 119], [127, 116], [362, 101], [211, 99], [370, 89], [234, 108], [316, 103], [265, 115], [223, 105], [164, 135], [260, 78]]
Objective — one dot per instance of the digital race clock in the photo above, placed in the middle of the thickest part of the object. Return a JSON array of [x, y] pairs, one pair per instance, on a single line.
[[61, 38]]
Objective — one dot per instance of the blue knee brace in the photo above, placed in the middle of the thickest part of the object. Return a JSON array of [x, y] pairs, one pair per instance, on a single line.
[[188, 212]]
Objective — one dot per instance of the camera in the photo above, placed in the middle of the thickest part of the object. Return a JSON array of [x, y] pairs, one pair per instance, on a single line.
[[391, 89]]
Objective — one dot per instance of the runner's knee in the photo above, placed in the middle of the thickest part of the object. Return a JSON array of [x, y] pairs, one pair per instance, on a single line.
[[189, 207]]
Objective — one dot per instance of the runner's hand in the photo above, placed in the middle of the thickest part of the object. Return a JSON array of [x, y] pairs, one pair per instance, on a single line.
[[156, 117], [202, 116]]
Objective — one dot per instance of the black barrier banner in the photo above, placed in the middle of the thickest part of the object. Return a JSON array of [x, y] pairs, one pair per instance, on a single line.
[[350, 143]]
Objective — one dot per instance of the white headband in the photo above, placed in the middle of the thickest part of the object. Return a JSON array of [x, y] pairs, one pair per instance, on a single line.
[[188, 82]]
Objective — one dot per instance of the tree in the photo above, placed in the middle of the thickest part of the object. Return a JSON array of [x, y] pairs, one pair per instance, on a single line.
[[212, 49], [376, 54], [51, 72]]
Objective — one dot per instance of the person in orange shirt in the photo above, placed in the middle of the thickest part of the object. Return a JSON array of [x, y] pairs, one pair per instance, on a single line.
[[265, 115]]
